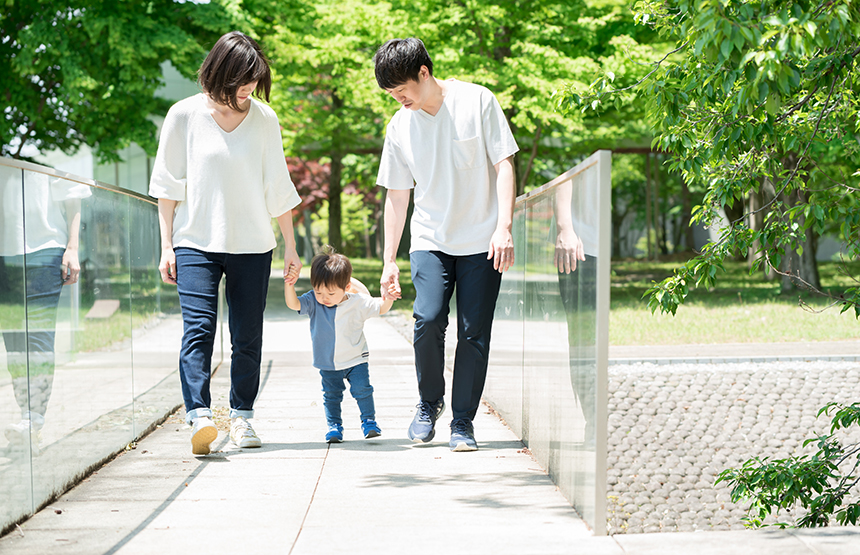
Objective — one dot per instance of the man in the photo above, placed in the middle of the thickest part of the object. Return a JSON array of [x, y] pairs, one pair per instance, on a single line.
[[451, 143]]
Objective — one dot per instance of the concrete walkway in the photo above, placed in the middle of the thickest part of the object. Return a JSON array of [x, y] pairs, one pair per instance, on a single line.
[[297, 495]]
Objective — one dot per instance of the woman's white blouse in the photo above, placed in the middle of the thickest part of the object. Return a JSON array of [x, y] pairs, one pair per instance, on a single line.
[[228, 185]]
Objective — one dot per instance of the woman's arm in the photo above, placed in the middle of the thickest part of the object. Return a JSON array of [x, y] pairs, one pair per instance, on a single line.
[[292, 262], [167, 266]]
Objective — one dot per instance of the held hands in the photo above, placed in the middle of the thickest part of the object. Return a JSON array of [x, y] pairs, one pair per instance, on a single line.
[[292, 267], [501, 250], [390, 281], [167, 266], [568, 249]]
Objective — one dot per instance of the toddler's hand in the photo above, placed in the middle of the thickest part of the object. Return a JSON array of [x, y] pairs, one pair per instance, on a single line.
[[291, 275]]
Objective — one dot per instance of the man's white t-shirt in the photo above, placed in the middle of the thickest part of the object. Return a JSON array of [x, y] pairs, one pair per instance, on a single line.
[[448, 159], [228, 186]]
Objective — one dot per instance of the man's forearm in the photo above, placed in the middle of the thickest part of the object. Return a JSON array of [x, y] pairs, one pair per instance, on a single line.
[[396, 205], [506, 193]]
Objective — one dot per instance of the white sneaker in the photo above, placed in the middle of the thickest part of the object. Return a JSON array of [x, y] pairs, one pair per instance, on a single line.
[[203, 432], [243, 434], [24, 434]]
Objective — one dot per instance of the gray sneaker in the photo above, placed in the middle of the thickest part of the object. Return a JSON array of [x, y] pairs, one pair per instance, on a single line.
[[423, 425], [203, 433], [243, 435], [463, 435]]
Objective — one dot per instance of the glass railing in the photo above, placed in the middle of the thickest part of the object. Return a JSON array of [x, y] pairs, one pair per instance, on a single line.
[[549, 352], [88, 361]]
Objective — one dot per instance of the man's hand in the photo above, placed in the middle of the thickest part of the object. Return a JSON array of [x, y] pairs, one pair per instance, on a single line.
[[390, 281], [501, 249], [292, 266], [568, 249], [167, 266]]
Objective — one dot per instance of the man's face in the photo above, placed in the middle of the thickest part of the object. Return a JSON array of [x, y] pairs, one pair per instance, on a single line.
[[412, 94]]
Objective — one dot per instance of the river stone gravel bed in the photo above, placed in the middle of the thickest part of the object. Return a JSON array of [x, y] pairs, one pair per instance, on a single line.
[[673, 428]]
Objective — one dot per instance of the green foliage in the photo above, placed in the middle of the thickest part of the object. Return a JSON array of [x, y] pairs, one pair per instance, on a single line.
[[523, 51], [817, 482], [85, 73], [756, 98]]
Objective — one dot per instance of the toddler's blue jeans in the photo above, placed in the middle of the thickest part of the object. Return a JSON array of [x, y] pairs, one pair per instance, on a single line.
[[359, 387]]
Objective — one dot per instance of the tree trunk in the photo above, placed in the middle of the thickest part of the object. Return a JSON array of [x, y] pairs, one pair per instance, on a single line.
[[310, 246], [648, 203], [659, 217], [334, 206], [687, 215], [335, 187], [802, 269]]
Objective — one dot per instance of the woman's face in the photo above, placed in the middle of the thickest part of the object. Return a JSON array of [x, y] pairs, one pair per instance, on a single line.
[[243, 94]]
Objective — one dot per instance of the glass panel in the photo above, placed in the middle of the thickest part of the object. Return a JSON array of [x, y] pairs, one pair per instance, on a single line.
[[561, 377], [505, 376], [156, 324], [81, 386], [15, 470]]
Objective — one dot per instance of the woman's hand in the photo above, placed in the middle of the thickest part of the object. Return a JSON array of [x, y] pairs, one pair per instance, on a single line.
[[167, 266], [292, 266], [71, 268]]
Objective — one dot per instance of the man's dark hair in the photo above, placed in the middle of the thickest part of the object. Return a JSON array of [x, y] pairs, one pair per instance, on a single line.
[[330, 269], [400, 60], [234, 61]]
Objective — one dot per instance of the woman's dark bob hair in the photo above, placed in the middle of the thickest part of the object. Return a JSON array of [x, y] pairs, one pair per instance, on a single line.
[[400, 60], [234, 61]]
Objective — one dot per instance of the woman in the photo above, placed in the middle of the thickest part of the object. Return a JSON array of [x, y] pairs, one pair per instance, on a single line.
[[220, 176]]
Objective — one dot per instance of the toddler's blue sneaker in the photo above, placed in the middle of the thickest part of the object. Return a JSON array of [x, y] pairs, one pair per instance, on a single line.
[[423, 425], [335, 434], [370, 429], [463, 435]]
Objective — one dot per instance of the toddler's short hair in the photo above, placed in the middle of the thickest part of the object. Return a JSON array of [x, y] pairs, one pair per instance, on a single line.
[[330, 269]]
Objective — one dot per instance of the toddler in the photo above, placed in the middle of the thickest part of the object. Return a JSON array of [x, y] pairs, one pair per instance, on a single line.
[[338, 306]]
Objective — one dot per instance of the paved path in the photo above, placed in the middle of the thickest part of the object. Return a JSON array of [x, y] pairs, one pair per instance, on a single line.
[[297, 495]]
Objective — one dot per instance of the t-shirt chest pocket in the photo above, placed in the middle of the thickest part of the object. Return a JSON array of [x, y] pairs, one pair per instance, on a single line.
[[468, 153]]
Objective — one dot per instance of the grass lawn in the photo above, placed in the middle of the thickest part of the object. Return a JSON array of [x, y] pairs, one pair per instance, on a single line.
[[741, 309]]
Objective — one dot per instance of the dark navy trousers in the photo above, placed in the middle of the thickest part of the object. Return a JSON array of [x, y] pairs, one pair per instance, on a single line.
[[198, 274], [436, 277]]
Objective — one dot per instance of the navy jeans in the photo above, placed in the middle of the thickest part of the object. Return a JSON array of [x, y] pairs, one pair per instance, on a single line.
[[30, 350], [436, 275], [247, 281], [359, 387]]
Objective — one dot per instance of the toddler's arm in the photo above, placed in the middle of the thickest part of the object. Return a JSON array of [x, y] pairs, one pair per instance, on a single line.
[[386, 303], [291, 297]]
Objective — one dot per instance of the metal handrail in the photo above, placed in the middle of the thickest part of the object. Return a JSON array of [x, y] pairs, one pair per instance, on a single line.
[[29, 166]]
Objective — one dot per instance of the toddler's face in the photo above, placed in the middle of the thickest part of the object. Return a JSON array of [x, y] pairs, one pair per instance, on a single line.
[[329, 295]]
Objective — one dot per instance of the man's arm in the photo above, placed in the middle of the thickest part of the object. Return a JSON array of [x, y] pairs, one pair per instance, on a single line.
[[501, 248], [396, 205], [290, 296], [568, 245]]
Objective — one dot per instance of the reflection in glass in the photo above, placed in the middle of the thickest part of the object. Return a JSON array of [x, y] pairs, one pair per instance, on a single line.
[[39, 243], [547, 371]]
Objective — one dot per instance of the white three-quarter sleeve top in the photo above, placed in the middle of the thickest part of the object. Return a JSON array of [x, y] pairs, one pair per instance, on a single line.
[[228, 186]]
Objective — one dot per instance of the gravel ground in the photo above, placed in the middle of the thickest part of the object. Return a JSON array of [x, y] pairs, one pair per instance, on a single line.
[[674, 428]]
